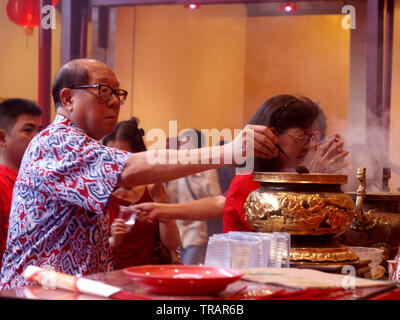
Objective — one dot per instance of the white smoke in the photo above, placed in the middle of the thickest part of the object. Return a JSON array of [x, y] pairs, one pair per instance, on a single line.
[[367, 149]]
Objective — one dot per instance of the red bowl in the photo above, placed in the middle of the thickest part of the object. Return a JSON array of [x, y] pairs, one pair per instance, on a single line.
[[183, 279]]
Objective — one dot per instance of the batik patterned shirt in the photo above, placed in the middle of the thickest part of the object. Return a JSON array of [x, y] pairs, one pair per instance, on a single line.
[[58, 214]]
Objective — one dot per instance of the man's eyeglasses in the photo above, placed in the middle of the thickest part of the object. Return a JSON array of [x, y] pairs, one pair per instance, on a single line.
[[106, 92], [305, 139]]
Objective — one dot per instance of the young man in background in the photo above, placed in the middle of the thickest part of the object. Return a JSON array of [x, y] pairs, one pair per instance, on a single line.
[[19, 123]]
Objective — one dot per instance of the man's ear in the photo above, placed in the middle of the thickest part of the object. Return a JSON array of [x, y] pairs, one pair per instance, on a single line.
[[3, 138], [66, 96]]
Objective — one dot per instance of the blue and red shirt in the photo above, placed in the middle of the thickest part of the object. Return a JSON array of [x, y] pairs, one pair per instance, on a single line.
[[58, 214]]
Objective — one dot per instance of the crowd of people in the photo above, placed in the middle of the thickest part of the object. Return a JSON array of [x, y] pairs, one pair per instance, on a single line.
[[68, 189]]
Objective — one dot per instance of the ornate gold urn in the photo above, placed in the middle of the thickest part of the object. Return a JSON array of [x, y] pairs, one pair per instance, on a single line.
[[311, 207], [301, 204]]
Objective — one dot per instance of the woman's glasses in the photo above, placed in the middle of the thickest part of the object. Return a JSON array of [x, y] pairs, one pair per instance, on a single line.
[[305, 139]]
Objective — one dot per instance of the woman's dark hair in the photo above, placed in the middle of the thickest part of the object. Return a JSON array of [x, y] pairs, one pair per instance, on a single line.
[[283, 112], [128, 131], [286, 111]]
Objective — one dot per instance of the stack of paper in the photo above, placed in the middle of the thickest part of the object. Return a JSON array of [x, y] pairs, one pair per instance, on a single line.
[[248, 249]]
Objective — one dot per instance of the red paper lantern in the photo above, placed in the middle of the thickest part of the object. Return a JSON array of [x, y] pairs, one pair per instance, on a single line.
[[25, 12]]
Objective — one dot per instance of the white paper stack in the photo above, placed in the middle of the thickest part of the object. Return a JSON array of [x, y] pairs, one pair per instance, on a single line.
[[243, 253], [264, 245], [218, 251], [248, 250], [282, 248]]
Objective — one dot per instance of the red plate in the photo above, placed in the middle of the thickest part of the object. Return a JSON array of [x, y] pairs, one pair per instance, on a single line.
[[184, 279]]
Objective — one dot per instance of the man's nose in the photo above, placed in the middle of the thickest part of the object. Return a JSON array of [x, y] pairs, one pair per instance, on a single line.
[[114, 102]]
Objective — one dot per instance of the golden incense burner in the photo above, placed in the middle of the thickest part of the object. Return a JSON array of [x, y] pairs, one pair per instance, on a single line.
[[301, 204], [311, 207]]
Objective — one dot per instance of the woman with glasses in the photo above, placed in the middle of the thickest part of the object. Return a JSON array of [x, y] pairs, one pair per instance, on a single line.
[[292, 119]]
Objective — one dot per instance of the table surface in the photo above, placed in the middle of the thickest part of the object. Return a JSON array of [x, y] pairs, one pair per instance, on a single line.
[[248, 290]]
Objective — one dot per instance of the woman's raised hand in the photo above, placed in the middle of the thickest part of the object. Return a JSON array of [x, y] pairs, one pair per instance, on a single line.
[[328, 157]]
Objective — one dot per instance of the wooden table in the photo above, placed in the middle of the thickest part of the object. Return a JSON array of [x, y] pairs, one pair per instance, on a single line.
[[122, 280]]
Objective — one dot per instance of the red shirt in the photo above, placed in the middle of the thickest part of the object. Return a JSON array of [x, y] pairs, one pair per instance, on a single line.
[[137, 246], [240, 188], [7, 181]]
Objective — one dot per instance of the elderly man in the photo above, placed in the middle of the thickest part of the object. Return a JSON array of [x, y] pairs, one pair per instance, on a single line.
[[57, 218]]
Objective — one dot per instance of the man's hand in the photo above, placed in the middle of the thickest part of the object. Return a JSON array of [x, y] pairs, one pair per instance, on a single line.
[[203, 209], [253, 140], [151, 210]]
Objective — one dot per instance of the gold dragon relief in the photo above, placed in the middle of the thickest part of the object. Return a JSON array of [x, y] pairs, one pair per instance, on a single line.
[[296, 213]]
